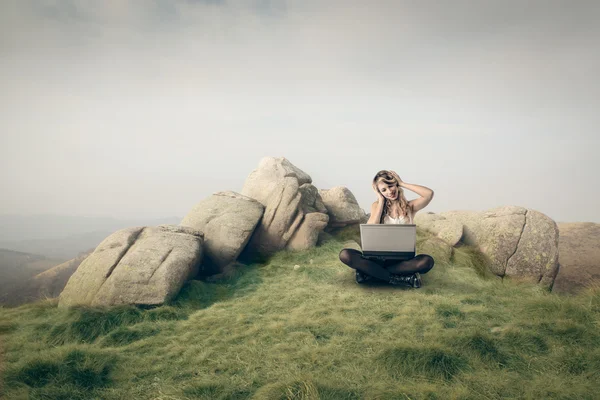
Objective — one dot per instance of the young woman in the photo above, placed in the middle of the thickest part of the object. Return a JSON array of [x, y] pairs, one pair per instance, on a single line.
[[392, 207]]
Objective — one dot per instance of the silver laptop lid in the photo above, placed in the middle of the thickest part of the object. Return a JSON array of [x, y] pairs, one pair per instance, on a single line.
[[388, 237]]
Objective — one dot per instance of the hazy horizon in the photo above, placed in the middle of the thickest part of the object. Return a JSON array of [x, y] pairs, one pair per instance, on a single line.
[[140, 109]]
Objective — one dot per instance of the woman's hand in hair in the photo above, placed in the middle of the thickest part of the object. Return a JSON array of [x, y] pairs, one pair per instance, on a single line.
[[395, 175], [380, 197]]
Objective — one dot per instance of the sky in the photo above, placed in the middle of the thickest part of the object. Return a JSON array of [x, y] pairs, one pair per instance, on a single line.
[[135, 109]]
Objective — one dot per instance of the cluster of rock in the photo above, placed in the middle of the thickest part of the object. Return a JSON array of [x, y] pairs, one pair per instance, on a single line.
[[519, 243], [279, 208]]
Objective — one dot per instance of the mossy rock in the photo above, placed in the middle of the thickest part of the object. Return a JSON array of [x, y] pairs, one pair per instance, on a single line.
[[436, 248]]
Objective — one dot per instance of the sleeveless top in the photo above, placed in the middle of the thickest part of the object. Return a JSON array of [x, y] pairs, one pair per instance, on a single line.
[[400, 220]]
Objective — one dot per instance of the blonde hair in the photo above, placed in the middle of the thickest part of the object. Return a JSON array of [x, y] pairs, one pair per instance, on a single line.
[[386, 177]]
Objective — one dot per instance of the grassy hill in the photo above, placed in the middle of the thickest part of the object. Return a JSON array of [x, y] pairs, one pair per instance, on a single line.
[[272, 331]]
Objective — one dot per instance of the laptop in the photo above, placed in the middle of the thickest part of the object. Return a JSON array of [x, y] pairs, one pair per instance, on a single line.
[[388, 241]]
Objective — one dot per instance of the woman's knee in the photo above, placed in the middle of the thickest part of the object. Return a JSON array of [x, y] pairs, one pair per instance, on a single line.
[[428, 262], [346, 255]]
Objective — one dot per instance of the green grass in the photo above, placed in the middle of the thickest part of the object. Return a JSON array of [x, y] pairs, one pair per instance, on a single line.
[[269, 331]]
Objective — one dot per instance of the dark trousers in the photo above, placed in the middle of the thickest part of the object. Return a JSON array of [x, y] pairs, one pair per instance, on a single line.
[[353, 258]]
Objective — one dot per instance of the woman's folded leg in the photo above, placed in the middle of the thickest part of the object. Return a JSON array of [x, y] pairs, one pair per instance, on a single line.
[[353, 259], [421, 264]]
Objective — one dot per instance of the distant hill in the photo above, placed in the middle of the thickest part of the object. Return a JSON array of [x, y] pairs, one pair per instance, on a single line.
[[63, 237], [48, 283], [17, 267], [15, 228], [61, 248]]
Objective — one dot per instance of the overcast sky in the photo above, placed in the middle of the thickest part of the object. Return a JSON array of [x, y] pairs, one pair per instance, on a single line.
[[143, 108]]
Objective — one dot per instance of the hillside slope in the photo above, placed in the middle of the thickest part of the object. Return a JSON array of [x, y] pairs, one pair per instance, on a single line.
[[16, 267], [277, 331]]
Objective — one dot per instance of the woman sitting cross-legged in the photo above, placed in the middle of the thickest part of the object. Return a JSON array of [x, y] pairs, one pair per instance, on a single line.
[[392, 207]]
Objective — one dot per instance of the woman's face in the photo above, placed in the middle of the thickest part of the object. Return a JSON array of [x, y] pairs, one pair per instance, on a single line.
[[388, 191]]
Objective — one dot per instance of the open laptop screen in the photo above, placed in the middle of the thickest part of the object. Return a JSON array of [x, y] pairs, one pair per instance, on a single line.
[[388, 240]]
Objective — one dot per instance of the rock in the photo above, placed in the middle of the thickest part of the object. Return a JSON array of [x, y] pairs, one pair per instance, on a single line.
[[229, 271], [365, 218], [342, 207], [227, 220], [578, 256], [140, 265], [51, 283], [536, 256], [351, 244], [519, 242], [495, 233], [449, 230], [324, 237], [349, 232], [498, 329], [311, 199], [294, 212], [437, 248], [307, 234]]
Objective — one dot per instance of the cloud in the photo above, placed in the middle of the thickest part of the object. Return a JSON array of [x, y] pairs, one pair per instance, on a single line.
[[110, 87]]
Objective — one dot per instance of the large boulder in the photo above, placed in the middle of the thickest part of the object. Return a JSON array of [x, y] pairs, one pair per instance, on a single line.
[[227, 220], [140, 265], [307, 234], [579, 256], [449, 230], [51, 283], [520, 243], [294, 212], [342, 207]]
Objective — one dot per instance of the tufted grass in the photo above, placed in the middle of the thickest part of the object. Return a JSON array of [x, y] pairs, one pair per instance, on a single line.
[[269, 331]]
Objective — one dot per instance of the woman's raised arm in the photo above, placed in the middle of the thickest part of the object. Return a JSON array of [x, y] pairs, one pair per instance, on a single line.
[[425, 193]]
